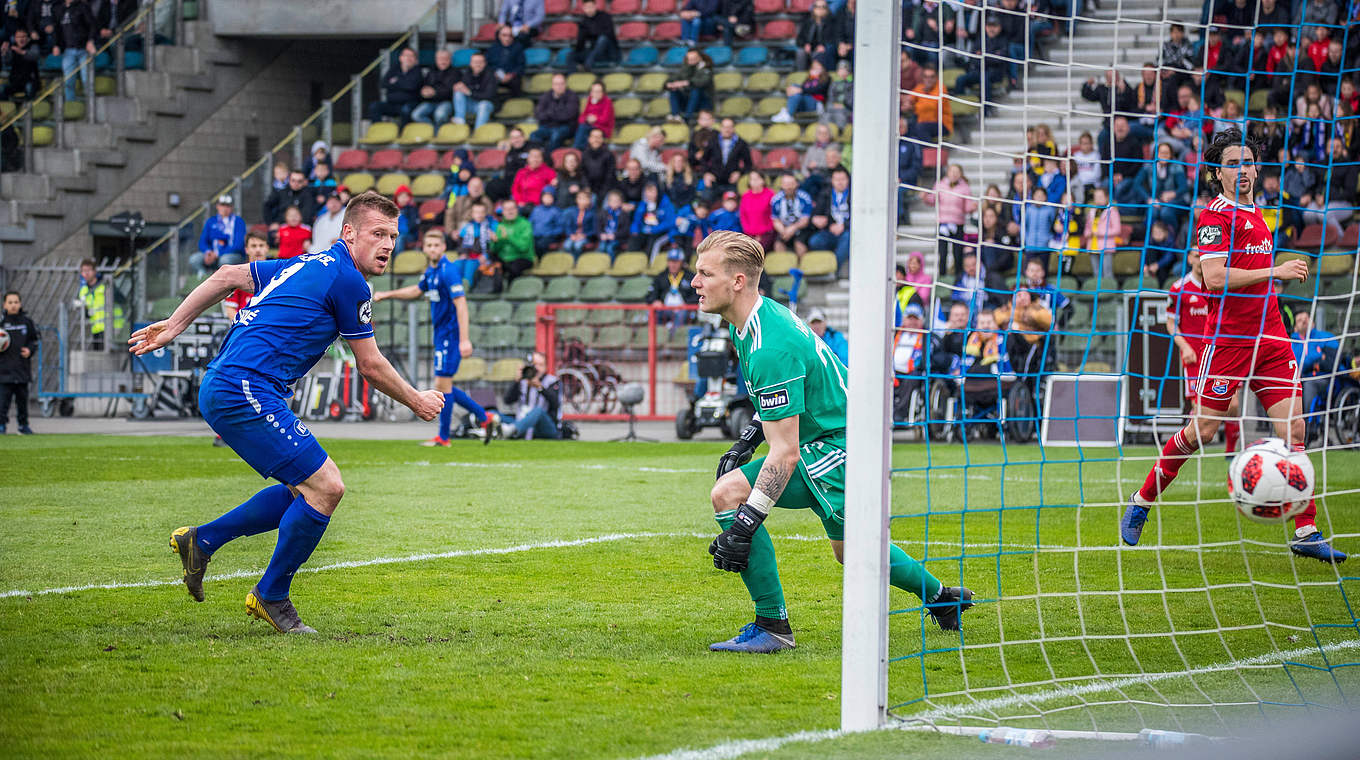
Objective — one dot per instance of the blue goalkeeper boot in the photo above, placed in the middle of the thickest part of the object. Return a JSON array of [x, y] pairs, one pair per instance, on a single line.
[[752, 638], [1131, 524], [1315, 546]]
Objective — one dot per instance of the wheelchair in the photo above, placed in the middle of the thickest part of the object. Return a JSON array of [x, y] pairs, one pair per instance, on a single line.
[[1337, 411], [1004, 407]]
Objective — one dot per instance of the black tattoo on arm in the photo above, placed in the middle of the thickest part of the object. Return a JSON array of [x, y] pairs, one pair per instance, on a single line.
[[772, 479]]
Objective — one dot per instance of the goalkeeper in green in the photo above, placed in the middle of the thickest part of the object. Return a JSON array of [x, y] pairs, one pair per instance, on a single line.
[[798, 387]]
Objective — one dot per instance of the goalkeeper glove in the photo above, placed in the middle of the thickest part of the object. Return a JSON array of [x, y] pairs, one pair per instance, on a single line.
[[732, 548], [741, 451]]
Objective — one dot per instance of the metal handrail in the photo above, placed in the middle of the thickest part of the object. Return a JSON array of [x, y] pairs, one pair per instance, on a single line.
[[58, 84]]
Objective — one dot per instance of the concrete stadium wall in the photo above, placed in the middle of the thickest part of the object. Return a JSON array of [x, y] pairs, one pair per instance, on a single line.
[[322, 18]]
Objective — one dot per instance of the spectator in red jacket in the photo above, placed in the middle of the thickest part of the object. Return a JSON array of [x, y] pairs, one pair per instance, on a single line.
[[597, 113], [756, 218], [293, 235], [531, 179]]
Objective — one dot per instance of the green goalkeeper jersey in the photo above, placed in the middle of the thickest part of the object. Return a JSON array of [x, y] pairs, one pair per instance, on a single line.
[[790, 371]]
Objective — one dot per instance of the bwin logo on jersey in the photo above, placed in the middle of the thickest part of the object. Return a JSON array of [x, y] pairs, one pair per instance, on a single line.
[[366, 312], [774, 400]]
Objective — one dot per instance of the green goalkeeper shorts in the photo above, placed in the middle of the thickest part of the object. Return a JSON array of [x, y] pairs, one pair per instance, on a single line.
[[820, 485]]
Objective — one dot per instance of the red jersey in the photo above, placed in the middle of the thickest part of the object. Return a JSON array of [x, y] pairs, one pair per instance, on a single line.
[[293, 240], [1239, 234], [238, 299], [1189, 305]]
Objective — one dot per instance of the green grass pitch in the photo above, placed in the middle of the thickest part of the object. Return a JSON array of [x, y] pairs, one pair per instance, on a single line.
[[556, 600]]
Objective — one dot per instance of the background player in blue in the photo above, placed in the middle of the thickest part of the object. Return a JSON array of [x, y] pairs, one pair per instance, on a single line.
[[300, 306], [443, 286]]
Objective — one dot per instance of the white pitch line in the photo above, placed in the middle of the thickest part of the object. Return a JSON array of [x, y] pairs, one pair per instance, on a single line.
[[609, 537], [737, 748]]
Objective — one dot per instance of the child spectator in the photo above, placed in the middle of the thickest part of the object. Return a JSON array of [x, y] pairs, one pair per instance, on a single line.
[[840, 94], [915, 275], [970, 285], [461, 171], [653, 220], [280, 180], [612, 222], [293, 235], [408, 224], [514, 243], [477, 233], [1037, 223], [546, 219], [596, 113], [680, 187], [727, 216], [1102, 232], [323, 184], [807, 97], [693, 223], [756, 219], [578, 224], [16, 362], [570, 180], [1087, 159]]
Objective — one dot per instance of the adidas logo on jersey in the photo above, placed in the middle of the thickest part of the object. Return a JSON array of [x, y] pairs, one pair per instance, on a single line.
[[1247, 225]]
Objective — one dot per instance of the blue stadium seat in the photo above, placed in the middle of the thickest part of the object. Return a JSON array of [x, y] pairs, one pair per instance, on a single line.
[[462, 56], [642, 57], [51, 63], [721, 54], [750, 57], [103, 61], [133, 59], [534, 57], [675, 56], [563, 59], [426, 57]]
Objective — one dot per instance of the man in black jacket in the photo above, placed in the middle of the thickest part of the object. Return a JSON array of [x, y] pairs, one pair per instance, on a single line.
[[671, 287], [595, 40], [557, 112], [22, 58], [598, 164], [75, 44], [729, 157], [111, 15], [476, 88], [15, 371], [42, 22], [436, 93], [535, 399], [402, 85], [295, 193], [738, 19]]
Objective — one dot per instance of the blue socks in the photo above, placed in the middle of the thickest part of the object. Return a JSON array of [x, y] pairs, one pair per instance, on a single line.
[[259, 514], [457, 396], [300, 531]]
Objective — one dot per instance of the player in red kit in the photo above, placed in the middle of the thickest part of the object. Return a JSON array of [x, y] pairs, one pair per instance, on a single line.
[[1187, 322], [1246, 339]]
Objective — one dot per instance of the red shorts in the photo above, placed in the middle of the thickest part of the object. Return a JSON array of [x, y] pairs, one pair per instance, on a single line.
[[1268, 367], [1191, 381]]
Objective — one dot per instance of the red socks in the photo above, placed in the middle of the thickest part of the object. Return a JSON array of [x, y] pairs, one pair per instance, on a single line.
[[1308, 516], [1174, 454], [1232, 431]]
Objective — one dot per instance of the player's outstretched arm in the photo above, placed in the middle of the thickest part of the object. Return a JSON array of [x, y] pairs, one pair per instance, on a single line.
[[378, 370], [210, 291], [408, 293]]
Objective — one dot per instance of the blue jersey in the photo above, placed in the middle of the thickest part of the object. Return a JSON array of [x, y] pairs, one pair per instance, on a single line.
[[442, 283], [299, 308]]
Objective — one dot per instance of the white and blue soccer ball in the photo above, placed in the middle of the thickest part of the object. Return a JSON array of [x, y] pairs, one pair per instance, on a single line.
[[1270, 483]]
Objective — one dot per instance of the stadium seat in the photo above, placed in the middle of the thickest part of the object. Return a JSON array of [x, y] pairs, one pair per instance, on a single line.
[[604, 317], [576, 333], [949, 76], [669, 153], [810, 132], [786, 287], [619, 81], [657, 108], [561, 289], [674, 57], [559, 31], [580, 81], [628, 264], [738, 107], [625, 7], [452, 134], [537, 57], [627, 108], [591, 264], [504, 371], [500, 337], [641, 57], [782, 134], [795, 78], [356, 182], [351, 160], [631, 31], [1127, 263], [769, 6], [494, 312], [562, 60], [780, 159], [490, 159], [105, 85], [930, 157], [1310, 239], [486, 32], [462, 56], [539, 83], [769, 106], [599, 289], [661, 7], [763, 82], [778, 30], [560, 153], [73, 110], [727, 81], [818, 265], [432, 210], [677, 133], [388, 183], [422, 160], [656, 264], [553, 264], [515, 108], [557, 7], [489, 133], [526, 337], [526, 313], [629, 133], [525, 288], [720, 54], [408, 263], [471, 369], [779, 263], [634, 289], [616, 336], [653, 82], [381, 133], [751, 57], [134, 59], [800, 6], [428, 185], [385, 160], [750, 131]]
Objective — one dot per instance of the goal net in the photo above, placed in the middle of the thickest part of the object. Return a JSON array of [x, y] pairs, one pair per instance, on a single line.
[[1070, 134]]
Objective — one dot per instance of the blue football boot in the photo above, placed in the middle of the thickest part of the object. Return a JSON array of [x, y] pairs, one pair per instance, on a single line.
[[1315, 546], [1131, 525], [752, 638]]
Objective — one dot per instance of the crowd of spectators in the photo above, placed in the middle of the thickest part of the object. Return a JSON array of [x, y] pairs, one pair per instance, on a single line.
[[31, 30]]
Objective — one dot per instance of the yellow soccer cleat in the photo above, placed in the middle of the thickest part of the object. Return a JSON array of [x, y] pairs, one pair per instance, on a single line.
[[281, 614], [183, 542]]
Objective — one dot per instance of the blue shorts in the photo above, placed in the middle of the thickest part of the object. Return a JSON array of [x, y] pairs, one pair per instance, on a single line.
[[446, 356], [258, 425]]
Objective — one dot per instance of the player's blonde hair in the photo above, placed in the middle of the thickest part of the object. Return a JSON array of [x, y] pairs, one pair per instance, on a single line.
[[740, 253]]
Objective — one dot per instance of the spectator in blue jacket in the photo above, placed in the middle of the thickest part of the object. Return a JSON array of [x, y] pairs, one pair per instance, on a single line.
[[653, 220], [1160, 186], [223, 240], [402, 87], [831, 217], [791, 210], [505, 58], [698, 18], [834, 339], [908, 170], [727, 216], [523, 17], [578, 224], [1037, 223], [612, 223], [1315, 351], [546, 219]]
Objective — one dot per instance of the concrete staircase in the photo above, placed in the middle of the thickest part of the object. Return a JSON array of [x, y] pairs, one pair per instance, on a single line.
[[1122, 33], [67, 186]]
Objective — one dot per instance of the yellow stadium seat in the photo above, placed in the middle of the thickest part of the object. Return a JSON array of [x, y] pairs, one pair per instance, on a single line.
[[409, 262], [795, 78], [810, 132], [818, 264], [388, 183], [381, 133], [629, 133], [553, 264], [416, 133], [727, 81], [627, 108], [750, 131], [767, 107], [358, 182], [515, 108], [591, 264], [538, 83], [471, 369], [489, 133], [504, 371], [735, 108], [580, 81], [778, 263], [676, 133], [629, 264], [428, 186], [452, 134], [762, 81], [616, 82], [782, 134], [658, 108], [653, 82]]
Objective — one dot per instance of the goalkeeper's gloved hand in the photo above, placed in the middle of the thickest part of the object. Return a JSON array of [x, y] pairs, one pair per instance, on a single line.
[[732, 548], [741, 451]]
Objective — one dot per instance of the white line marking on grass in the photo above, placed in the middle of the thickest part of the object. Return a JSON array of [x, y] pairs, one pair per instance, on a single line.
[[737, 748]]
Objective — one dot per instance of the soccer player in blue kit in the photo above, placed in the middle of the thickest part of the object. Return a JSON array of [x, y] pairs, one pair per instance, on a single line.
[[443, 286], [299, 307]]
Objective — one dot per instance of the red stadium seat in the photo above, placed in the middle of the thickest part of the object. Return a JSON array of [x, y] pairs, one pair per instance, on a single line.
[[625, 7], [756, 157], [668, 154], [259, 229], [779, 29], [556, 7], [486, 32], [351, 161], [561, 31], [769, 6], [934, 156], [558, 154], [1310, 239], [385, 160], [666, 30], [422, 160], [632, 31], [445, 160], [800, 6], [489, 159], [1350, 238], [780, 159], [621, 159], [432, 209], [661, 7]]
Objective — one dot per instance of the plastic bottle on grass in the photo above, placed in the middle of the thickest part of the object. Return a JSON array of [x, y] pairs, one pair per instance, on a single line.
[[1018, 737]]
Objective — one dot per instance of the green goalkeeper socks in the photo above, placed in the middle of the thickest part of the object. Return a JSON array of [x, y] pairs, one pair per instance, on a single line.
[[910, 575], [761, 575]]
